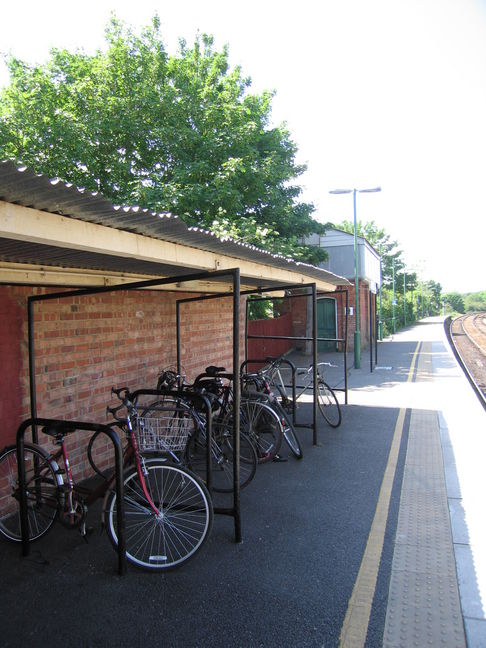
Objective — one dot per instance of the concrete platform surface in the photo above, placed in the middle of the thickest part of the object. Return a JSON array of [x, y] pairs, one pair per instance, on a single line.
[[376, 538]]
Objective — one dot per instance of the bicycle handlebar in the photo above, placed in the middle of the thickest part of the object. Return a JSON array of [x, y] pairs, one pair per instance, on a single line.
[[114, 412], [118, 392]]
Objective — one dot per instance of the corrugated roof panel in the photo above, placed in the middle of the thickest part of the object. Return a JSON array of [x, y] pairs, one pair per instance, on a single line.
[[23, 186], [48, 255]]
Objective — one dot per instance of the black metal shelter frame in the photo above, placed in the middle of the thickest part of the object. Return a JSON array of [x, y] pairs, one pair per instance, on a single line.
[[314, 338], [35, 421], [314, 294], [373, 329]]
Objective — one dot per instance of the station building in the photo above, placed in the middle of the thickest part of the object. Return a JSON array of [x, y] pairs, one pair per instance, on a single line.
[[339, 246]]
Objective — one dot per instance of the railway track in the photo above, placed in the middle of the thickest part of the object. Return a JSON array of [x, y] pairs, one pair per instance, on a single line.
[[467, 335]]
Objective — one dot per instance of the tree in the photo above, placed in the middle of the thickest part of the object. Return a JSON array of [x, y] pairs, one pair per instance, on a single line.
[[455, 302], [435, 296], [474, 302], [178, 133], [412, 298]]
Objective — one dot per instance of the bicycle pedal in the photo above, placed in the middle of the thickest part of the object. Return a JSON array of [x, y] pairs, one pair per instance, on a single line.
[[279, 459]]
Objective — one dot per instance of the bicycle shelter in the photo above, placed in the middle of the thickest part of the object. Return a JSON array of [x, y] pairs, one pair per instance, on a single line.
[[55, 236], [35, 421], [235, 295]]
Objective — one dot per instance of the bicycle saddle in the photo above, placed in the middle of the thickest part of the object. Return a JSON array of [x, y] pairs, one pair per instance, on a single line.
[[54, 429], [214, 371]]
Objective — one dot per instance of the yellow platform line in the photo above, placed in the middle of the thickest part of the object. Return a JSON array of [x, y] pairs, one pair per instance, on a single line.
[[356, 620]]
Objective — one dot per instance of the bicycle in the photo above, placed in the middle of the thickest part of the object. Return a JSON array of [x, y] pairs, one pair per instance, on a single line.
[[168, 510], [257, 390], [258, 422], [258, 419], [326, 398], [175, 424]]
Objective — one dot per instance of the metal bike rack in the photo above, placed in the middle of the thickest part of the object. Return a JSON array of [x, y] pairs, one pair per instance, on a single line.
[[293, 384], [67, 427], [314, 339], [235, 510]]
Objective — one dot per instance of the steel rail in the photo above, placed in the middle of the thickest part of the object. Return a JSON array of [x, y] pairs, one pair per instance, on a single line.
[[450, 338], [472, 319]]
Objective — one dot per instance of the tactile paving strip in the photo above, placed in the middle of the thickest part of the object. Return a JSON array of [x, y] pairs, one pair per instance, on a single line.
[[423, 602]]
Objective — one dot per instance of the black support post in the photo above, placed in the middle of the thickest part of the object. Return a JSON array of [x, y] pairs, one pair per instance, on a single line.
[[314, 361], [236, 404]]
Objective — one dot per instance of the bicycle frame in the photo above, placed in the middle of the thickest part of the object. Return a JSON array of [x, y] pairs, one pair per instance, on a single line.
[[308, 373], [68, 427]]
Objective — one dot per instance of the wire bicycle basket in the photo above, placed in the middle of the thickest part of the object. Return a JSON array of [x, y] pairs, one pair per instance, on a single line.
[[163, 430]]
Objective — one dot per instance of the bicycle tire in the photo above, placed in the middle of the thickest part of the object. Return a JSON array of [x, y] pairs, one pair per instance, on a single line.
[[221, 457], [288, 431], [177, 534], [99, 442], [328, 404], [43, 483], [262, 426]]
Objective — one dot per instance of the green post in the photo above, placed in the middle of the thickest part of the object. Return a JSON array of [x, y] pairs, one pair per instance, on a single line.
[[404, 298], [357, 333], [380, 322]]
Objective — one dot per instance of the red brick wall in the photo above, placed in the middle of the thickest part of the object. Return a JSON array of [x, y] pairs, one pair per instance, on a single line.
[[364, 314], [12, 336], [85, 345]]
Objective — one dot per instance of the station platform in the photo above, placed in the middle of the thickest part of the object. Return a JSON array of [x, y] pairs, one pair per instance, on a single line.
[[376, 538], [438, 575]]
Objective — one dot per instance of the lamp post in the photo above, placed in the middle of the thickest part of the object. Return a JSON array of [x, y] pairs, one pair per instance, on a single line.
[[357, 334], [380, 322], [405, 298]]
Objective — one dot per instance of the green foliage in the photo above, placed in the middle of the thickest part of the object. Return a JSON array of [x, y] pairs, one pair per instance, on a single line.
[[434, 292], [454, 303], [404, 298], [178, 133], [392, 262], [474, 302], [259, 308]]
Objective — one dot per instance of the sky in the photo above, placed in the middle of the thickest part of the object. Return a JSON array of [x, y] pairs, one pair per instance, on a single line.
[[388, 93]]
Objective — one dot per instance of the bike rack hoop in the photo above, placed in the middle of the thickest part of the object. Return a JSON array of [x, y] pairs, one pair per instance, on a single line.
[[68, 427], [293, 369]]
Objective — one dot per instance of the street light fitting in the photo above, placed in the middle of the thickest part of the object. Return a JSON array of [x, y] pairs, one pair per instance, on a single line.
[[374, 190], [347, 191]]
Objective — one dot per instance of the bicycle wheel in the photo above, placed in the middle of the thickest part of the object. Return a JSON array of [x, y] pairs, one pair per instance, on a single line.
[[262, 426], [42, 487], [183, 524], [289, 432], [328, 404], [221, 457]]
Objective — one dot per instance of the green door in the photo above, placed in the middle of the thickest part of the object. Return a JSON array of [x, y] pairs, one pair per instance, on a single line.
[[326, 323]]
